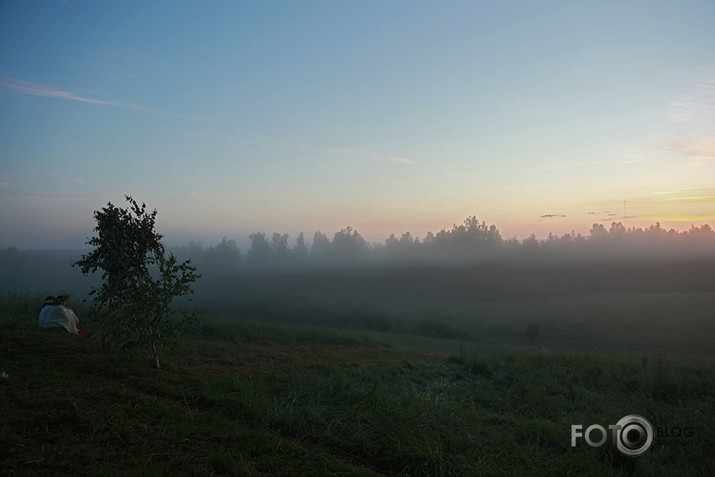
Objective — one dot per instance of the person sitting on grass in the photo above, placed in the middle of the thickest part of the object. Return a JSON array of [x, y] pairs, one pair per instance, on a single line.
[[54, 314], [49, 302]]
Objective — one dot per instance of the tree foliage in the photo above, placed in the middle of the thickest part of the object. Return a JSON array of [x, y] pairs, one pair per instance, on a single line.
[[139, 280], [471, 241]]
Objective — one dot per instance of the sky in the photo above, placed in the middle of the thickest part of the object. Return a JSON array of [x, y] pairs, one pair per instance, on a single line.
[[234, 117]]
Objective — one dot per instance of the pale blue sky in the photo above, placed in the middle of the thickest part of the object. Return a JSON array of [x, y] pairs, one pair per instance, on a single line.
[[236, 117]]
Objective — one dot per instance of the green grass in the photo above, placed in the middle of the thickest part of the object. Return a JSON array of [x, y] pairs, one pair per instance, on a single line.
[[249, 398], [665, 323]]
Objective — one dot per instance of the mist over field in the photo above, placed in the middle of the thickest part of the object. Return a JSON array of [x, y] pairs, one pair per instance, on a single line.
[[344, 324], [463, 282], [469, 245], [446, 354]]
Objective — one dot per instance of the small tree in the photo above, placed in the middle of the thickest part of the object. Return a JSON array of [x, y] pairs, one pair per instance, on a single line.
[[139, 281]]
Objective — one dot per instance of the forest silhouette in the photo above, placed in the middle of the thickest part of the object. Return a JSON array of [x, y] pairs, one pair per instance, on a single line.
[[470, 260], [463, 244]]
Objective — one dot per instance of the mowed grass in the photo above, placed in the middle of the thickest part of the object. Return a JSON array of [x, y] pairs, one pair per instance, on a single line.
[[276, 399]]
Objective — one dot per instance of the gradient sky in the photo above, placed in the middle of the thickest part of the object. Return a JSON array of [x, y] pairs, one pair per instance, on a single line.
[[233, 117]]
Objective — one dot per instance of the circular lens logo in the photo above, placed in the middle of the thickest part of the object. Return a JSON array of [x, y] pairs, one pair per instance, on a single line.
[[634, 435]]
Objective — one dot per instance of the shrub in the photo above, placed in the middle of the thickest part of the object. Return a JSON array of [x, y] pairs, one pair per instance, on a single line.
[[532, 330]]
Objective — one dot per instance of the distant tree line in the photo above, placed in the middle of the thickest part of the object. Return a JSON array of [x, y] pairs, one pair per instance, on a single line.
[[470, 241]]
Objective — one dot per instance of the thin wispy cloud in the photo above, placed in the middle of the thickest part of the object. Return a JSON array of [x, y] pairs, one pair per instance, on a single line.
[[215, 136], [694, 198], [34, 89], [25, 87], [695, 109], [73, 197], [27, 182], [59, 196], [632, 159], [54, 175], [358, 155], [702, 195], [683, 190], [701, 150], [691, 218], [694, 114]]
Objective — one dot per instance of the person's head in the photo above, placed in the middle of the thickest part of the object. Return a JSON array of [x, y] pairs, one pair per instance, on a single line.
[[49, 301], [61, 299]]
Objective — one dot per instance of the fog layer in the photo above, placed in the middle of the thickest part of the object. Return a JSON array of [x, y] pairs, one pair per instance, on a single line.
[[469, 260]]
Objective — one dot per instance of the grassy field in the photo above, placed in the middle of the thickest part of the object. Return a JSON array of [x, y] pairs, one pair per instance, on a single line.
[[681, 324], [253, 398]]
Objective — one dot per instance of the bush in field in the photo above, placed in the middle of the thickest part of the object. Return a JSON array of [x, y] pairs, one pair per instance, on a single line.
[[440, 330], [139, 280], [377, 323], [532, 330]]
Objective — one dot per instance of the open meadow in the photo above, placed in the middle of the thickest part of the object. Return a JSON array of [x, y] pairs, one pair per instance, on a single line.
[[357, 238], [244, 397]]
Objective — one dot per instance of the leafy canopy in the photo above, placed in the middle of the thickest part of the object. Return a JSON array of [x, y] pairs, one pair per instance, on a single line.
[[139, 280]]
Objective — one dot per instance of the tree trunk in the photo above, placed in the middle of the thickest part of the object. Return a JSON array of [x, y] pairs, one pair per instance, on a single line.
[[156, 355], [153, 347], [105, 334]]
